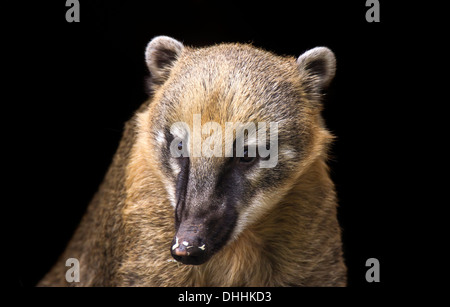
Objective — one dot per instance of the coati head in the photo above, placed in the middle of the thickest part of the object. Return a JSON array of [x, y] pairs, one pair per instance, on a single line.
[[217, 191]]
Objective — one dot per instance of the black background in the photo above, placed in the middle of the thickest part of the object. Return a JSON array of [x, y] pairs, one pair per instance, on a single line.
[[79, 83]]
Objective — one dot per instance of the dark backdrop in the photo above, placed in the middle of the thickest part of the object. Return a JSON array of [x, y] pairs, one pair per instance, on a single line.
[[81, 81]]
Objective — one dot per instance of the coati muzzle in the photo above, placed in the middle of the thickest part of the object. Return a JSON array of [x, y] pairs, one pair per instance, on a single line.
[[188, 245], [198, 238], [205, 212]]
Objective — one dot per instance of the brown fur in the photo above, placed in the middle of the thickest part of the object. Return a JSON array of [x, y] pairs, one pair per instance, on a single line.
[[288, 237]]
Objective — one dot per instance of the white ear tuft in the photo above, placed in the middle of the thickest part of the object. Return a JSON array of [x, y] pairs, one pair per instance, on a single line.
[[318, 67], [160, 55]]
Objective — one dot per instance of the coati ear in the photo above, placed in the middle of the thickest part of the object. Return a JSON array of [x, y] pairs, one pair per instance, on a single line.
[[160, 55], [317, 68]]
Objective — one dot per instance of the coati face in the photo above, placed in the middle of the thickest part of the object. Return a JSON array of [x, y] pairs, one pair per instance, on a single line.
[[218, 188]]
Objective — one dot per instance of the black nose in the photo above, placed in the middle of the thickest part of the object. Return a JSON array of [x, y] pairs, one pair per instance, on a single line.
[[186, 252]]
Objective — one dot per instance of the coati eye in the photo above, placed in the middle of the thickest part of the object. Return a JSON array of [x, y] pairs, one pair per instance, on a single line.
[[180, 146], [246, 158]]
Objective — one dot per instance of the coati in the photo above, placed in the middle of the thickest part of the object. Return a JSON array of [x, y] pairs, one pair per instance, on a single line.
[[165, 220]]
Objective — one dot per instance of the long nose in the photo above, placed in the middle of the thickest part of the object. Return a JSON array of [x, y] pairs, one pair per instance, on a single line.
[[188, 246]]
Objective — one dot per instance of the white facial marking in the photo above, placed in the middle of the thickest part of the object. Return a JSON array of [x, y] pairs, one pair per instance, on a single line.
[[175, 168], [288, 153], [160, 138], [176, 243]]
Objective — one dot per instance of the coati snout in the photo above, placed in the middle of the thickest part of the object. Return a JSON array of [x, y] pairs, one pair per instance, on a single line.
[[200, 234], [205, 212], [195, 243], [199, 237]]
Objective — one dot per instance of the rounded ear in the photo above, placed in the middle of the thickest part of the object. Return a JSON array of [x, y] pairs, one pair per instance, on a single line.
[[317, 67], [160, 55]]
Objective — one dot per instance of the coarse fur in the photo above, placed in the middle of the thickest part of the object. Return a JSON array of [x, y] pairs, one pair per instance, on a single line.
[[276, 227]]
